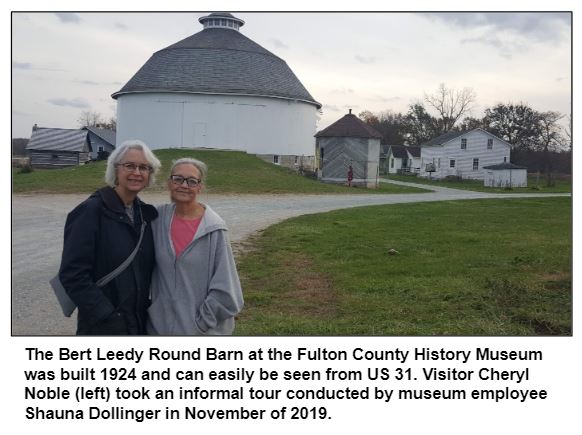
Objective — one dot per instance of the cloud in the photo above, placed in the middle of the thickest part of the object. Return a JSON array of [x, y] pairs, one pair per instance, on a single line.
[[94, 83], [68, 17], [278, 44], [121, 26], [342, 91], [561, 79], [330, 108], [31, 67], [506, 50], [365, 60], [79, 103], [538, 26], [21, 65], [384, 99]]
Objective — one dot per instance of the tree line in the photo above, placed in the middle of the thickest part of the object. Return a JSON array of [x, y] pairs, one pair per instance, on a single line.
[[536, 137]]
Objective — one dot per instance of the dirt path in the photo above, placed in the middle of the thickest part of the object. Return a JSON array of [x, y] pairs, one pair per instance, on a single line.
[[37, 233]]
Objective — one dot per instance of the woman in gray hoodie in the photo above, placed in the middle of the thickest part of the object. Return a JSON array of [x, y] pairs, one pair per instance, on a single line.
[[195, 287]]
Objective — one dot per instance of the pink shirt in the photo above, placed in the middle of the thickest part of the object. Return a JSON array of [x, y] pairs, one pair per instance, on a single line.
[[183, 231]]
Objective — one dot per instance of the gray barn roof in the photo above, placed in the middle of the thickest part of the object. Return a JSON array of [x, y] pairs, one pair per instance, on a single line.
[[57, 139], [217, 61], [63, 139], [104, 133], [349, 126]]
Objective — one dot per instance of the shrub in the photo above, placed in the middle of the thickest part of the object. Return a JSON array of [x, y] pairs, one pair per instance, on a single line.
[[25, 169]]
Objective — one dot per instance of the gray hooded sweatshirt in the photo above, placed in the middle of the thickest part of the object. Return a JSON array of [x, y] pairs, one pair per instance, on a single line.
[[199, 292]]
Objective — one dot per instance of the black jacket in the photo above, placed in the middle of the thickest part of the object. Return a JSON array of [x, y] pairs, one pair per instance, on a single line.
[[99, 236]]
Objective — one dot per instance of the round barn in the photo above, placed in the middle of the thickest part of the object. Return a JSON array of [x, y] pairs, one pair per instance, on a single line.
[[348, 151], [219, 89]]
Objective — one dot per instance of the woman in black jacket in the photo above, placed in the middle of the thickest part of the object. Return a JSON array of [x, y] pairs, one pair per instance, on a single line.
[[100, 234]]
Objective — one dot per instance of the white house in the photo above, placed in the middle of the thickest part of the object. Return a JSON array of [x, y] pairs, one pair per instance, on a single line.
[[505, 175], [463, 154], [218, 89], [400, 158]]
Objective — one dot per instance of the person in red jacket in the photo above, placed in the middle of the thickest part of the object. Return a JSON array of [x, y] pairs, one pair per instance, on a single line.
[[350, 175]]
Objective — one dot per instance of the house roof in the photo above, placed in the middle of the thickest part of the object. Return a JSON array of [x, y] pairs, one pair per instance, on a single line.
[[349, 126], [450, 135], [504, 166], [57, 139], [217, 61], [399, 151], [104, 133], [414, 151], [443, 138]]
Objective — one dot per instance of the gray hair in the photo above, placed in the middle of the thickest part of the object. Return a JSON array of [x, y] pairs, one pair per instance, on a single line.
[[201, 166], [119, 153]]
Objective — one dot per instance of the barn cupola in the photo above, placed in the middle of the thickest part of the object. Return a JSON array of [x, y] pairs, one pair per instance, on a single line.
[[222, 20]]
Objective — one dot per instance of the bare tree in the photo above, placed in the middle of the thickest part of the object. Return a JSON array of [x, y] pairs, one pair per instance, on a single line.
[[88, 118], [451, 104]]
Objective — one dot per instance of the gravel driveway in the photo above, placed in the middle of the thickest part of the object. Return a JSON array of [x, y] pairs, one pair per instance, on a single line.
[[37, 233]]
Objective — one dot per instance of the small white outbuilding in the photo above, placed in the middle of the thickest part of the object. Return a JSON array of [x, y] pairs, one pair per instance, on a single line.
[[505, 175]]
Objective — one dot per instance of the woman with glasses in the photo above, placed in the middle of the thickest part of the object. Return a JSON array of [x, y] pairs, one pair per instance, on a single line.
[[195, 286], [100, 234]]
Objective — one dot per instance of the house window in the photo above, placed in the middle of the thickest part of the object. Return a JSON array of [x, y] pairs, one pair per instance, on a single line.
[[463, 144], [101, 149], [504, 159], [489, 144], [439, 163], [276, 159], [452, 163], [475, 164], [392, 163]]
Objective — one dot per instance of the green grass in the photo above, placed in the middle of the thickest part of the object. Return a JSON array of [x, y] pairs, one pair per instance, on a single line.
[[479, 267], [229, 172], [561, 184]]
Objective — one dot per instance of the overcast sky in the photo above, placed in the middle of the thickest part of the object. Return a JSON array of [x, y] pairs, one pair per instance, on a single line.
[[66, 63]]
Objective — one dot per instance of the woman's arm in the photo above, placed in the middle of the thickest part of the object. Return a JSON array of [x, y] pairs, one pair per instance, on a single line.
[[78, 262], [224, 299]]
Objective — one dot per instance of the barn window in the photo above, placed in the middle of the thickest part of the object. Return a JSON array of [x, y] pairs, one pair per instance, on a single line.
[[475, 164], [276, 159], [463, 144], [452, 163], [489, 144]]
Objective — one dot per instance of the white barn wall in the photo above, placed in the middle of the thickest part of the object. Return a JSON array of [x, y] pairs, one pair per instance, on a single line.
[[476, 149], [257, 125]]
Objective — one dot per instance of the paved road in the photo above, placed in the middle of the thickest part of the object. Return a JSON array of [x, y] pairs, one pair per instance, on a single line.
[[37, 233]]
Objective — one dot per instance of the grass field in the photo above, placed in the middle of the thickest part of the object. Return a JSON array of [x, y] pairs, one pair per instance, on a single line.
[[480, 267], [562, 184], [229, 172]]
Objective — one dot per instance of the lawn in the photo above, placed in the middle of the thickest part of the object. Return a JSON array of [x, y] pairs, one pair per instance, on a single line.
[[479, 267], [562, 184], [229, 172]]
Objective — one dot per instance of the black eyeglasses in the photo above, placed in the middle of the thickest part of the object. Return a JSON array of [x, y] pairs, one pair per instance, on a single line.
[[131, 167], [179, 180]]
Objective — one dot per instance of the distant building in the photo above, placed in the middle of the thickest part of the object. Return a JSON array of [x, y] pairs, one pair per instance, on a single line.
[[463, 154], [397, 159], [348, 142], [505, 175], [219, 89], [60, 147]]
